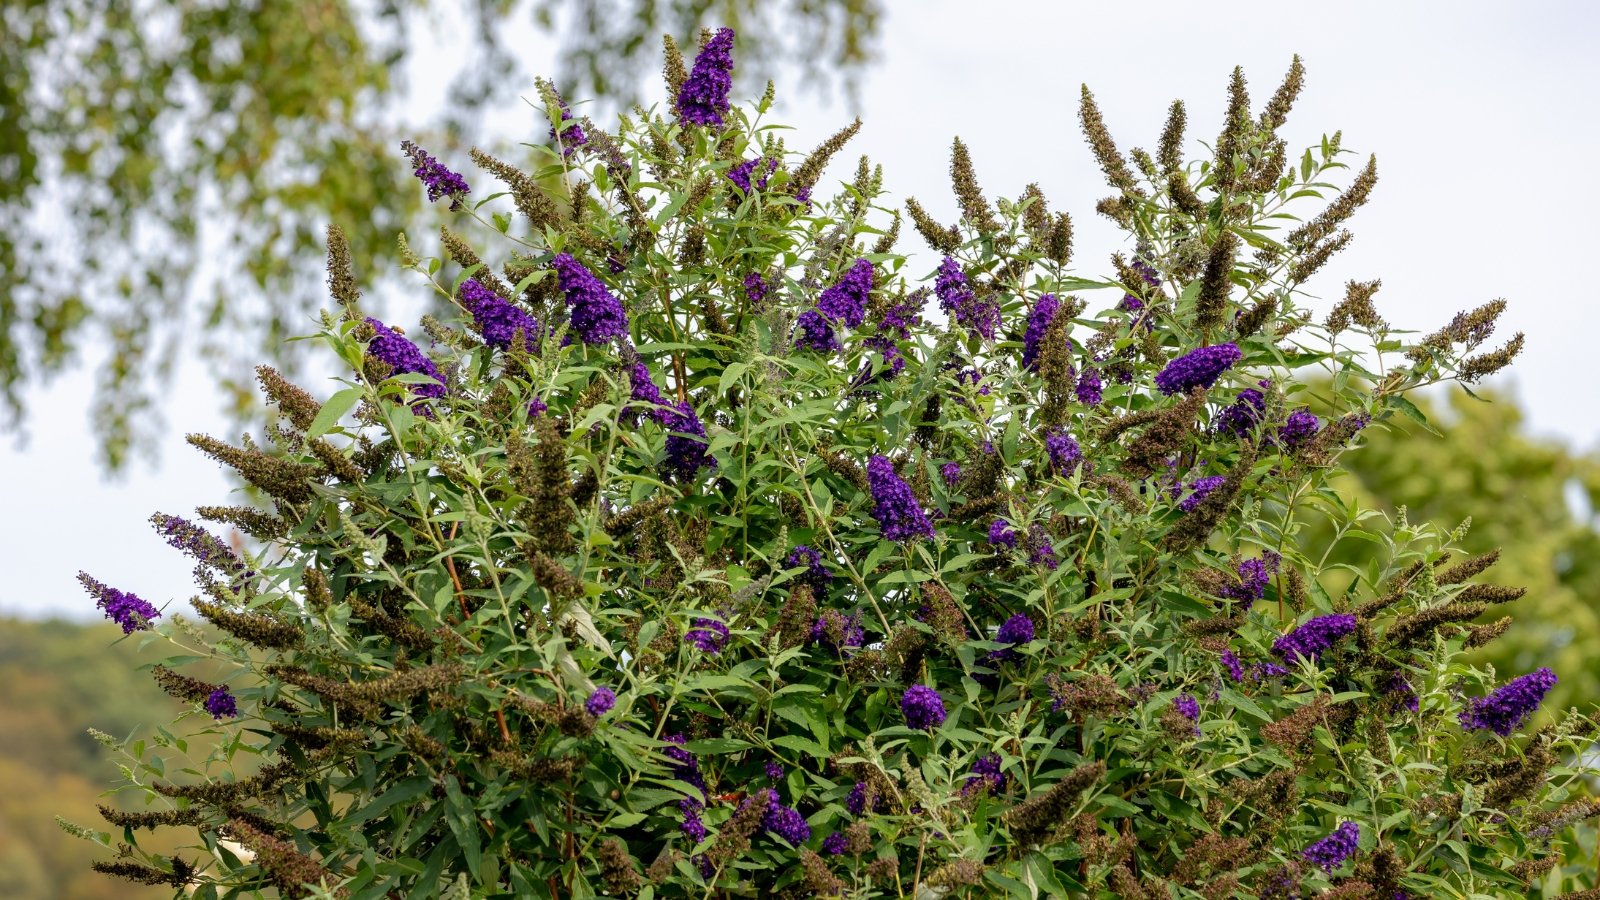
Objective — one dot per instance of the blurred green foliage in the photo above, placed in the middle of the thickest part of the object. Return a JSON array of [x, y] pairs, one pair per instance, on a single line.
[[1531, 498], [57, 680], [168, 166]]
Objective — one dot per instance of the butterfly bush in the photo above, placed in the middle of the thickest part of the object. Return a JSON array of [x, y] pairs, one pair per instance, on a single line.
[[745, 573]]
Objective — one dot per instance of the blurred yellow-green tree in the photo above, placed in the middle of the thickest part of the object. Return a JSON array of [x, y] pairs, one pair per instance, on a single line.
[[167, 167], [1532, 499]]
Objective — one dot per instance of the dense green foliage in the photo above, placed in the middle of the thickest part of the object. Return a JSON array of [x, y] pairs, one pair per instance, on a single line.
[[200, 146], [466, 552], [1515, 488]]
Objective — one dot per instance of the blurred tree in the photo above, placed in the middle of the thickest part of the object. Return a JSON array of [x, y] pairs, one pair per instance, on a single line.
[[1533, 499], [57, 680], [167, 166]]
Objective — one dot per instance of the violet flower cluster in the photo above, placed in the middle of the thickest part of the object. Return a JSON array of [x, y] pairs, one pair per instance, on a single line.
[[1240, 419], [200, 545], [1254, 575], [1002, 535], [597, 316], [986, 776], [221, 704], [817, 575], [740, 174], [1511, 703], [980, 316], [1308, 641], [1199, 490], [1298, 429], [1089, 389], [1200, 367], [922, 707], [1039, 320], [404, 358], [571, 137], [440, 181], [687, 448], [899, 514], [498, 321], [703, 97], [1064, 452], [710, 635], [122, 607], [600, 702], [1330, 852]]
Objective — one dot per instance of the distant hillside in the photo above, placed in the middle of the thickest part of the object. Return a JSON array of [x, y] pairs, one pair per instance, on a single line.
[[57, 680]]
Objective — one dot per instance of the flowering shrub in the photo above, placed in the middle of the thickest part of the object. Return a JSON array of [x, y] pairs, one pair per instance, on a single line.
[[697, 557]]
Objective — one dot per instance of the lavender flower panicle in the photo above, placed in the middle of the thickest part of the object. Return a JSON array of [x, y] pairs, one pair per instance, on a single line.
[[755, 289], [1090, 389], [1039, 320], [835, 844], [710, 635], [986, 776], [1230, 660], [1200, 367], [1239, 420], [1299, 429], [440, 181], [1330, 852], [200, 545], [498, 321], [404, 358], [1200, 489], [1254, 576], [785, 822], [597, 316], [571, 137], [1308, 641], [740, 174], [815, 332], [600, 702], [980, 316], [220, 703], [703, 97], [1002, 535], [1041, 552], [951, 473], [122, 607], [817, 575], [922, 707], [1511, 703], [1064, 452], [899, 514], [1188, 707], [688, 450], [847, 300]]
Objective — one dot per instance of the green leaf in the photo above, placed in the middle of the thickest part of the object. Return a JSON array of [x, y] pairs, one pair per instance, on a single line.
[[332, 410]]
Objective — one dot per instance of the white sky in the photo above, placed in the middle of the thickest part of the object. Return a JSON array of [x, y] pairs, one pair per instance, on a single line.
[[1483, 117]]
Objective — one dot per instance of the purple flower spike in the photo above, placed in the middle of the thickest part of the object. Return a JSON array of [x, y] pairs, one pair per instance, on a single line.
[[835, 844], [817, 575], [896, 508], [600, 702], [951, 472], [1201, 488], [755, 288], [124, 608], [1511, 703], [498, 321], [847, 300], [703, 98], [923, 707], [687, 446], [221, 703], [440, 181], [979, 316], [1316, 635], [708, 634], [814, 332], [1090, 390], [403, 358], [1063, 451], [1300, 428], [1230, 660], [1240, 419], [785, 821], [597, 316], [1002, 535], [986, 775], [1197, 368], [1331, 852], [571, 136], [1187, 706], [201, 545], [1039, 319]]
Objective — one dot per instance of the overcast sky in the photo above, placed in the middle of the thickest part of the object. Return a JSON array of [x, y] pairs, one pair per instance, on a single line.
[[1482, 116]]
